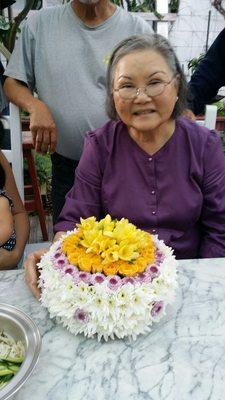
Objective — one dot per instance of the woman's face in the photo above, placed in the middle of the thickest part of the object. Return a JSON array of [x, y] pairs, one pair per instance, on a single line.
[[140, 69]]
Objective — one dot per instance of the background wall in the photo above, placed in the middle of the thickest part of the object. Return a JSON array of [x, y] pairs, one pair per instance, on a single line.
[[188, 32]]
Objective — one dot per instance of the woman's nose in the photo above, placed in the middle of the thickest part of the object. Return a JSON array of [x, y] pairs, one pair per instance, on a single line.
[[141, 95]]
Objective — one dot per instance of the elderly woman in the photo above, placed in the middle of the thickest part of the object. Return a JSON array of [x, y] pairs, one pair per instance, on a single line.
[[163, 172]]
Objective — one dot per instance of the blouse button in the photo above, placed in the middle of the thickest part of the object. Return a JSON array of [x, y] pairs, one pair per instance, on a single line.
[[153, 191], [153, 212], [153, 230], [150, 159]]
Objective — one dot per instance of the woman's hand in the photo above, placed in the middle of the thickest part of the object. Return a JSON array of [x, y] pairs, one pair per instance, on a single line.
[[31, 271]]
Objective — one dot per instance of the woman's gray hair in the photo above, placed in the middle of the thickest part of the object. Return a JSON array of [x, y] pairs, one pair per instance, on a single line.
[[146, 42]]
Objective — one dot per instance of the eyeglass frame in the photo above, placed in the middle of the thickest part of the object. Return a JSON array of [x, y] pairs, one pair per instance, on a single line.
[[145, 87]]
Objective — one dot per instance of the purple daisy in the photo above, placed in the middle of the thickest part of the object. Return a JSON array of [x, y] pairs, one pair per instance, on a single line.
[[128, 279], [84, 276], [114, 282], [57, 255], [157, 308], [159, 256], [60, 263], [76, 278], [97, 278], [143, 277], [70, 269], [81, 316], [153, 271]]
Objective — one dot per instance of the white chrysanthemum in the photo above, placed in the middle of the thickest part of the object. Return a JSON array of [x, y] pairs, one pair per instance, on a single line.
[[99, 310]]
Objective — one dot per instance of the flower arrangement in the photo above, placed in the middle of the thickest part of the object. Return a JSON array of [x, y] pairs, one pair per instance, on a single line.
[[108, 278]]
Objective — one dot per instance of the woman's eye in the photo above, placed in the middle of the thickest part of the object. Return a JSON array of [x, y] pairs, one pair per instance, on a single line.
[[152, 83], [126, 86]]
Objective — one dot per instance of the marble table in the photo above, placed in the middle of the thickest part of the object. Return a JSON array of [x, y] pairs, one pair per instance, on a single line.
[[182, 358]]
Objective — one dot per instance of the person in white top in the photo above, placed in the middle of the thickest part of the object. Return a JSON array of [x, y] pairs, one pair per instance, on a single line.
[[62, 52]]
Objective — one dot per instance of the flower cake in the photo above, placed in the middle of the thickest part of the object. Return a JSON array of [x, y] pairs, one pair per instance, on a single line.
[[108, 278]]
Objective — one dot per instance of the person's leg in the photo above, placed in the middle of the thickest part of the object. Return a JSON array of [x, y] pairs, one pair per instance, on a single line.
[[63, 171]]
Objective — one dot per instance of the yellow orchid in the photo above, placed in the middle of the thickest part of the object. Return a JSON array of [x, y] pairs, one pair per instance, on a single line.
[[109, 246]]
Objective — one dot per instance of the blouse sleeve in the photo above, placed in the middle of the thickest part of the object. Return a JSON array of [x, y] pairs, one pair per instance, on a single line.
[[213, 212], [84, 199]]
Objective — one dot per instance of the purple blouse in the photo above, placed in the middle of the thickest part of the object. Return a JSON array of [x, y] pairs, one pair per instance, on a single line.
[[177, 193]]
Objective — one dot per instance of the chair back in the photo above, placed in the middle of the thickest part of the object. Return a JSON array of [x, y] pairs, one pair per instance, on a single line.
[[209, 119], [15, 154]]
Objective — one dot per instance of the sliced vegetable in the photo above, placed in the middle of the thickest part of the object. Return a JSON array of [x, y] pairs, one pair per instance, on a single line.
[[11, 356]]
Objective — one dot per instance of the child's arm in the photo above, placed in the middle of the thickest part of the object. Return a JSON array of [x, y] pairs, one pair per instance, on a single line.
[[6, 220], [9, 259]]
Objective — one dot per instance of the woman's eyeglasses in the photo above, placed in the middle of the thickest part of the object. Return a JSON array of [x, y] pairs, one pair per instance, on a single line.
[[153, 89]]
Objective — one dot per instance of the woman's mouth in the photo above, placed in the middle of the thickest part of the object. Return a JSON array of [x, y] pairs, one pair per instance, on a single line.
[[143, 112]]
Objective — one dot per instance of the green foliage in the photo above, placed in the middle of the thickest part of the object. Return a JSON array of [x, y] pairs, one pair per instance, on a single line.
[[193, 63], [222, 135], [221, 112], [174, 6], [220, 107], [146, 5], [5, 29], [43, 168], [4, 25], [24, 113], [9, 30]]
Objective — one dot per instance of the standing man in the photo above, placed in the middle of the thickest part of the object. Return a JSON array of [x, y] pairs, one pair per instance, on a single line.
[[62, 52]]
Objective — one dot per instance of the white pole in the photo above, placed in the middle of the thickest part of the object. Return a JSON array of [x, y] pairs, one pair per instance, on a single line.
[[210, 116], [162, 7], [16, 147]]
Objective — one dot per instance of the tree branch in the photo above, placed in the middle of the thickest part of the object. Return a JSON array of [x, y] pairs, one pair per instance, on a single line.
[[17, 21], [218, 6]]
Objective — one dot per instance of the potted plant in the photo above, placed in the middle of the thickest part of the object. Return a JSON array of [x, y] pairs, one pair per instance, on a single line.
[[44, 173], [220, 120]]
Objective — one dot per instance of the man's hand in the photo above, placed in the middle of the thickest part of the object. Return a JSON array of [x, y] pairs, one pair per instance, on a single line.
[[42, 127], [31, 271], [189, 114]]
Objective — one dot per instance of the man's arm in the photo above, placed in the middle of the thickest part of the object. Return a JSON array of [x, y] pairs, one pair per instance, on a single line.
[[42, 125], [209, 76]]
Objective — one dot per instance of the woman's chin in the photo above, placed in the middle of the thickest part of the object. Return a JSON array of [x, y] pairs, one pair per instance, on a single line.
[[145, 125]]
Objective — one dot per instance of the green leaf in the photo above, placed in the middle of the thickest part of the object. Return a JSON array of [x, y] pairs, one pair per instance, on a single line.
[[4, 25]]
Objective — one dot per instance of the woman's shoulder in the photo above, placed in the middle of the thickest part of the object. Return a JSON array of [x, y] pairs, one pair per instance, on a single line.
[[104, 137], [197, 134], [5, 202]]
